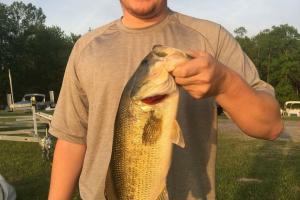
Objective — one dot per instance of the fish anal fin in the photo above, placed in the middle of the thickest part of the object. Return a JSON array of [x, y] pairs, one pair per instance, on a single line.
[[152, 129], [176, 135]]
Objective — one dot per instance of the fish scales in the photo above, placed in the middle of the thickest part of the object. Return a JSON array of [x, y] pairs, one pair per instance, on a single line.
[[130, 160]]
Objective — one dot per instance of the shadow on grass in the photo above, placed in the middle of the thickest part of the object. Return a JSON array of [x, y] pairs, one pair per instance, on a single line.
[[275, 169], [34, 186], [23, 166]]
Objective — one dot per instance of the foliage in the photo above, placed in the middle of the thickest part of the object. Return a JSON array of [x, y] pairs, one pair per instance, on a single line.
[[240, 32], [35, 53], [276, 53]]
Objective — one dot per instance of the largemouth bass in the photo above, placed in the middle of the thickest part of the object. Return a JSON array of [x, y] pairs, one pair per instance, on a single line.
[[145, 129]]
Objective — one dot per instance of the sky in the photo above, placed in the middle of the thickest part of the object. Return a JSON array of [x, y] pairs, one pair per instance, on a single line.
[[77, 16]]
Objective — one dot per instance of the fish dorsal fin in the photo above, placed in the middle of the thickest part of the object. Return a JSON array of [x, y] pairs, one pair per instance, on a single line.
[[176, 135]]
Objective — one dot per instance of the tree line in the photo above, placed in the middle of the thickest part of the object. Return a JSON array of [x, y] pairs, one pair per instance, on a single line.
[[37, 54], [276, 54]]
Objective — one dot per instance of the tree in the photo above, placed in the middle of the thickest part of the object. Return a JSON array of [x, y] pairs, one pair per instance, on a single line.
[[48, 50], [35, 53], [24, 16], [240, 32], [280, 61], [276, 53], [5, 30]]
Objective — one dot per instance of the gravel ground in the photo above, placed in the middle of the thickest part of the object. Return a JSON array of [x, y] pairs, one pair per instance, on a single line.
[[291, 130]]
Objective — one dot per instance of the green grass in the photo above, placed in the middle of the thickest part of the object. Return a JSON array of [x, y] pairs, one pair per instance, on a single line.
[[26, 168], [14, 128], [274, 168], [16, 113], [23, 165], [21, 112], [246, 169], [292, 118]]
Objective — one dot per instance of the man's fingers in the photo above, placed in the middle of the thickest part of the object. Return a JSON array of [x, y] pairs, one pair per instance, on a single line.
[[193, 67], [197, 92], [187, 69], [192, 80]]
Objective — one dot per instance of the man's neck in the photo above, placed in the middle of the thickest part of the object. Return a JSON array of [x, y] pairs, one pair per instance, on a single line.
[[131, 21]]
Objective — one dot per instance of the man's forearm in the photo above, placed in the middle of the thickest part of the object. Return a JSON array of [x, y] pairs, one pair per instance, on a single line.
[[67, 165], [255, 112]]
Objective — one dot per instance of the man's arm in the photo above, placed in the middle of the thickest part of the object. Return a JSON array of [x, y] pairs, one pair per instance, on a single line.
[[255, 112], [67, 165]]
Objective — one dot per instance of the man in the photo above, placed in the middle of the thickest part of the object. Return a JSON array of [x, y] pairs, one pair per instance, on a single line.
[[103, 61]]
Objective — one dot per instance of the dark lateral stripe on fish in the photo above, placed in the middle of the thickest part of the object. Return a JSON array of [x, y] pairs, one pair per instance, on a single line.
[[152, 129], [154, 100]]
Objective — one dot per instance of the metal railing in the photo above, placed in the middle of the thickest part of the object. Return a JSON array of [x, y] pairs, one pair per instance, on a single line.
[[33, 135]]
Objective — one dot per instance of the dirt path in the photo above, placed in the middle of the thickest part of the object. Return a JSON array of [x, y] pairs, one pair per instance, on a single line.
[[291, 131]]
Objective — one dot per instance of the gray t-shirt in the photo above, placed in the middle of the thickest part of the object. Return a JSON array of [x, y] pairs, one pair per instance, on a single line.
[[99, 67]]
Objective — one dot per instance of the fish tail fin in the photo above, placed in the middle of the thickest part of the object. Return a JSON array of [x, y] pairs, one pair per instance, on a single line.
[[163, 195]]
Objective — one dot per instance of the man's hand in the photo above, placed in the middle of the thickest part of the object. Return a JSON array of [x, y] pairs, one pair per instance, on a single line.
[[255, 112], [203, 76]]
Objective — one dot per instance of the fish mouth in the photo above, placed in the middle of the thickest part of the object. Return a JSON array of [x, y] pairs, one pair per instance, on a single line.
[[154, 99], [152, 93]]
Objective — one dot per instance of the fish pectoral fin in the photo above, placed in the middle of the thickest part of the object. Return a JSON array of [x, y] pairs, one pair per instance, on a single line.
[[176, 136]]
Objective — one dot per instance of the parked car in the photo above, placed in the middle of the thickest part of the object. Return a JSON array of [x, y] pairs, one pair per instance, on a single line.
[[291, 108], [25, 103]]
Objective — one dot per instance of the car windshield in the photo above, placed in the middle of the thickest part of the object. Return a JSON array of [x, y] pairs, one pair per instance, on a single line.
[[295, 106], [37, 97]]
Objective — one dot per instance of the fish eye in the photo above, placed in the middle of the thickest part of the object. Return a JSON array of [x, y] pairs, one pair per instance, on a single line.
[[189, 57], [144, 62], [161, 54]]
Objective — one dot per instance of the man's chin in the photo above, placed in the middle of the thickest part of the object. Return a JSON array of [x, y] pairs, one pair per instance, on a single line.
[[144, 14]]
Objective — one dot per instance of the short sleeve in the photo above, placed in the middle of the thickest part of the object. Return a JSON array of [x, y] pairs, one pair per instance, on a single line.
[[71, 112], [230, 53]]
